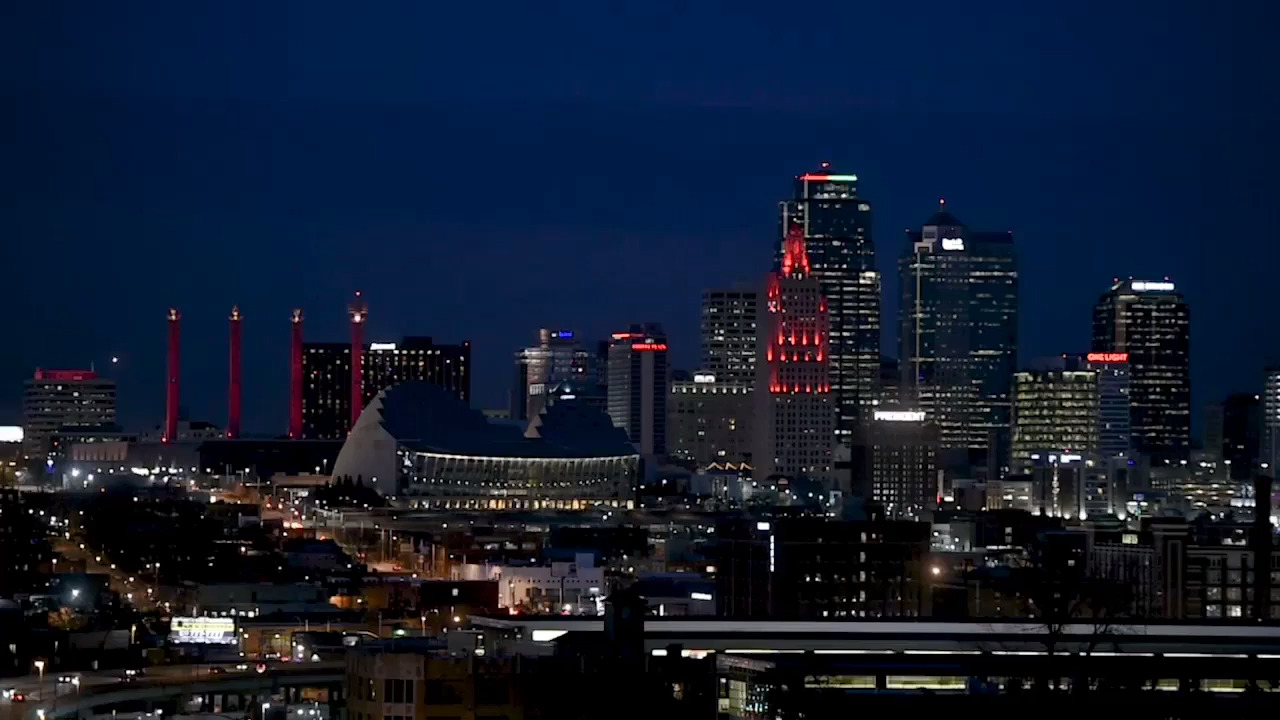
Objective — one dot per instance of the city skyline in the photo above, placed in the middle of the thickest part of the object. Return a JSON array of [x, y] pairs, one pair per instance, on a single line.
[[221, 179]]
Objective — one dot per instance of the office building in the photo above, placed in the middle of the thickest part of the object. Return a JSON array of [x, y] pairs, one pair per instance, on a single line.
[[326, 372], [729, 335], [1150, 323], [1072, 485], [1114, 436], [836, 225], [1055, 410], [807, 568], [902, 447], [959, 332], [709, 420], [556, 361], [890, 382], [638, 377], [57, 399], [1271, 419], [795, 418], [1241, 440]]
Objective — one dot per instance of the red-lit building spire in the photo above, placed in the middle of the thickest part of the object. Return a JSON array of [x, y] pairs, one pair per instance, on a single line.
[[295, 378], [359, 312], [233, 385], [171, 386], [795, 258]]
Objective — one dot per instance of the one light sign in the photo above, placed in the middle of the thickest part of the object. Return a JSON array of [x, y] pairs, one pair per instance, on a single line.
[[202, 631], [1106, 357]]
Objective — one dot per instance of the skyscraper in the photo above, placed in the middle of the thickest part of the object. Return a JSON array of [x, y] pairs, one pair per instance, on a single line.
[[326, 371], [836, 225], [1055, 410], [1113, 403], [1241, 435], [794, 415], [556, 359], [56, 399], [709, 421], [1271, 419], [638, 376], [729, 335], [1150, 322], [959, 331], [902, 446]]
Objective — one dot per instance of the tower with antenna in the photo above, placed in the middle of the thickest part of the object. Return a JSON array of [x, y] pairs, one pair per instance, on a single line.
[[359, 312]]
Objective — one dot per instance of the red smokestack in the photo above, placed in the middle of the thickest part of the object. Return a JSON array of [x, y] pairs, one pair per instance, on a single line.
[[171, 388], [295, 379], [233, 390], [359, 313]]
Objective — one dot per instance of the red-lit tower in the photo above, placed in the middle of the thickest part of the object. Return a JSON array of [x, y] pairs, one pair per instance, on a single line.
[[295, 378], [233, 386], [171, 387], [795, 416], [359, 312]]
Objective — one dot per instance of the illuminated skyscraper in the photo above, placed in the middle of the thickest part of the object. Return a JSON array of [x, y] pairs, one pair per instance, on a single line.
[[1055, 410], [557, 359], [959, 331], [1113, 403], [794, 415], [836, 225], [326, 372], [1271, 420], [1150, 322], [729, 335], [638, 377]]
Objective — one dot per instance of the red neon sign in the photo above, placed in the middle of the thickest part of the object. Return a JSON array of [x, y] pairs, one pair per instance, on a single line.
[[1100, 357], [649, 347], [66, 375]]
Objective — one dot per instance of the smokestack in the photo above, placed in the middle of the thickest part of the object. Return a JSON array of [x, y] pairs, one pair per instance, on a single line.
[[171, 388], [233, 389], [295, 378], [359, 312]]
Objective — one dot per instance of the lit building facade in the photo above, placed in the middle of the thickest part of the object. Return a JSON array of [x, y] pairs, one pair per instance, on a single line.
[[729, 335], [1150, 322], [1055, 410], [903, 449], [959, 332], [1114, 434], [556, 360], [637, 392], [56, 399], [709, 421], [326, 373], [795, 417], [836, 226], [1271, 418]]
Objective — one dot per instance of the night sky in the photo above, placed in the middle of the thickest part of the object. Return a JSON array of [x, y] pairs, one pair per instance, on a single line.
[[481, 170]]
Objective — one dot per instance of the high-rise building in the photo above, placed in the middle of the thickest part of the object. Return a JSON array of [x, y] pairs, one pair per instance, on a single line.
[[1241, 435], [836, 225], [1271, 419], [1150, 322], [1113, 403], [56, 399], [902, 446], [793, 399], [326, 372], [959, 332], [709, 421], [729, 335], [890, 382], [1055, 410], [557, 359], [638, 377]]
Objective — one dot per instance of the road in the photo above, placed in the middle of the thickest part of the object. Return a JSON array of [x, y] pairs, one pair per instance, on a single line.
[[46, 693]]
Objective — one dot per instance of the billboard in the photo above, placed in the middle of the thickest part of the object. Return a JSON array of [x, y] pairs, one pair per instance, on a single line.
[[203, 631]]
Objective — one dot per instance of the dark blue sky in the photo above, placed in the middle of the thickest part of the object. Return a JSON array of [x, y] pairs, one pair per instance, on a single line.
[[482, 172]]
